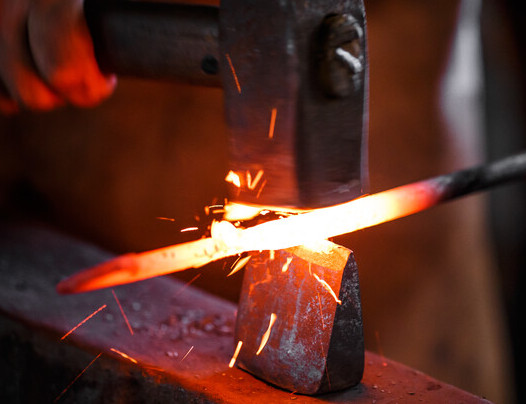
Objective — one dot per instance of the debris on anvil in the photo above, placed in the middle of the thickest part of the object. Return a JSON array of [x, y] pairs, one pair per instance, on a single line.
[[188, 323]]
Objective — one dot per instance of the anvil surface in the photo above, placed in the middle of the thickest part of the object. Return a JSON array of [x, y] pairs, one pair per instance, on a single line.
[[182, 339]]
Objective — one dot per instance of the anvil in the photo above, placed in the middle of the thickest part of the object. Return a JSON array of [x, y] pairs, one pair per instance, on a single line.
[[180, 346]]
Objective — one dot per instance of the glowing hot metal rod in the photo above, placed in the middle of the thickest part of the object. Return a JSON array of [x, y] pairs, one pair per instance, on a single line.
[[302, 229]]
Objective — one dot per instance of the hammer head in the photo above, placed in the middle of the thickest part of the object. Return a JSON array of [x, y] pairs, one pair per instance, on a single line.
[[295, 82], [294, 74]]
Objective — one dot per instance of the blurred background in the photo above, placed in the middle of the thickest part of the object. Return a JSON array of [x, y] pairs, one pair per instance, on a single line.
[[440, 290]]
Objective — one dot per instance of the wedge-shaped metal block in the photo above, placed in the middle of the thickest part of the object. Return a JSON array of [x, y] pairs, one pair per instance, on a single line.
[[315, 341]]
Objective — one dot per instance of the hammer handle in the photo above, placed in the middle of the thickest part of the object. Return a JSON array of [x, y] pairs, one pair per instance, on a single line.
[[156, 40]]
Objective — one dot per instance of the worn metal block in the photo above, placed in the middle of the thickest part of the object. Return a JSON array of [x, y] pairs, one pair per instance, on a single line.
[[316, 341]]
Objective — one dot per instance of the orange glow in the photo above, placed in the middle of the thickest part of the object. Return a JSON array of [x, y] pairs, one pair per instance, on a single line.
[[239, 264], [332, 221], [272, 123], [233, 72], [122, 312], [227, 240], [82, 322], [125, 356], [328, 288], [249, 180], [76, 378], [236, 353], [237, 211], [266, 336]]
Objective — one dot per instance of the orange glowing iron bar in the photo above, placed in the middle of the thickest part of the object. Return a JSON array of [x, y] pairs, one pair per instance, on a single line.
[[306, 228]]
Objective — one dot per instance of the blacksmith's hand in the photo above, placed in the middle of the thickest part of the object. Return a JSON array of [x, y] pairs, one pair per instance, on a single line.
[[47, 58]]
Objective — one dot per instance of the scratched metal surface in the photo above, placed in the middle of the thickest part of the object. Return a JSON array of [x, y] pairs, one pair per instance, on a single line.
[[316, 345], [314, 157], [167, 319]]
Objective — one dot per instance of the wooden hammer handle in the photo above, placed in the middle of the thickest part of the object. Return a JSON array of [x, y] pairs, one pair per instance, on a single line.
[[156, 40]]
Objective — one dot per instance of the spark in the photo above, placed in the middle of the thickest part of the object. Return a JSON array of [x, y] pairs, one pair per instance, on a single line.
[[321, 313], [190, 350], [236, 353], [170, 219], [82, 322], [271, 255], [266, 336], [125, 356], [261, 188], [233, 178], [239, 264], [187, 284], [286, 265], [76, 378], [155, 368], [272, 123], [327, 374], [249, 179], [233, 72], [215, 208], [189, 229], [252, 184], [122, 312], [328, 288]]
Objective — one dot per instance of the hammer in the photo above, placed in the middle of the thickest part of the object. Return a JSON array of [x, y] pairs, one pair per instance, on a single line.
[[295, 79], [294, 75]]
